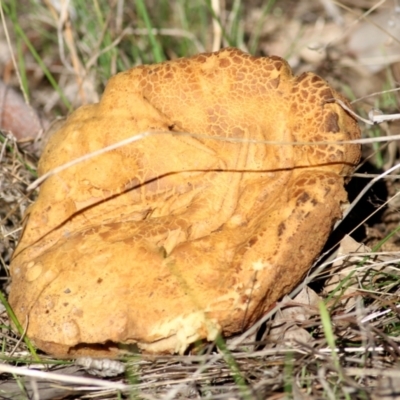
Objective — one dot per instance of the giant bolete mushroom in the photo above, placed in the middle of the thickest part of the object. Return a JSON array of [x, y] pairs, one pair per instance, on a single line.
[[175, 238]]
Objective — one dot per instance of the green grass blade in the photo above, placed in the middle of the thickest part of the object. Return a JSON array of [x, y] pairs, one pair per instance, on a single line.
[[288, 374], [12, 13], [330, 339], [19, 327], [328, 331], [155, 46], [255, 37], [234, 367]]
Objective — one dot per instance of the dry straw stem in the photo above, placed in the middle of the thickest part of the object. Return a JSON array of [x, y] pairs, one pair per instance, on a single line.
[[143, 135], [10, 47], [217, 30], [64, 29], [373, 118], [91, 383]]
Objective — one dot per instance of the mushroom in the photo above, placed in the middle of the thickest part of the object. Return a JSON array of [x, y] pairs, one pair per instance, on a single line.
[[178, 238]]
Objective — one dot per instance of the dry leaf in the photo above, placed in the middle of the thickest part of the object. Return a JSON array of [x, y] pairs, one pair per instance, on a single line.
[[340, 273], [293, 312]]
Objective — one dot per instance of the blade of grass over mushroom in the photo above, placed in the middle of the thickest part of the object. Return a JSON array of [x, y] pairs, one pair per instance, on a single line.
[[19, 327]]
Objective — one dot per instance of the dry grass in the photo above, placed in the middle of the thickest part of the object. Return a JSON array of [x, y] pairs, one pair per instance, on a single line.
[[349, 348]]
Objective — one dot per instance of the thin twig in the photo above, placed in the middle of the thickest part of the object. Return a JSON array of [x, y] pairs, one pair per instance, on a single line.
[[143, 135], [62, 378], [10, 48]]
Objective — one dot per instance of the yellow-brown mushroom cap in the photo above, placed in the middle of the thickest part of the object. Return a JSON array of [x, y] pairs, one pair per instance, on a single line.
[[175, 238]]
